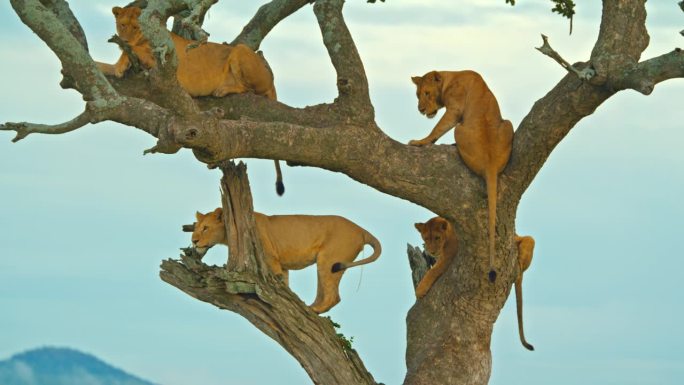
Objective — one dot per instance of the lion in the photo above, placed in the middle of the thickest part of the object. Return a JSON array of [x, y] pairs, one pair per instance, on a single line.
[[210, 69], [293, 242], [483, 137], [525, 250], [441, 242]]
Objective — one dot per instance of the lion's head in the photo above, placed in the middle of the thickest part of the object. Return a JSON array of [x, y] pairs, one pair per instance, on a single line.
[[429, 93], [127, 25], [435, 233], [209, 230]]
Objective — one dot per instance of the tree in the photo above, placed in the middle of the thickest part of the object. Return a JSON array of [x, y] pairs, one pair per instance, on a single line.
[[343, 136]]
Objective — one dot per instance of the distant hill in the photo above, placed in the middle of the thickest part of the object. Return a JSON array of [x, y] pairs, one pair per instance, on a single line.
[[60, 366]]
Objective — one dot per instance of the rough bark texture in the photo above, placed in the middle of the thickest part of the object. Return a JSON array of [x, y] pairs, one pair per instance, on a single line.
[[342, 136]]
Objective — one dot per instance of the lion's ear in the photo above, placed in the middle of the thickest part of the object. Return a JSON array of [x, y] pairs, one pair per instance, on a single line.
[[444, 225], [136, 11], [219, 213], [199, 216], [419, 226], [117, 10], [437, 76], [416, 80]]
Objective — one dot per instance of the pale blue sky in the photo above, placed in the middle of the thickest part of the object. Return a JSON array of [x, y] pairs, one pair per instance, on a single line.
[[86, 219]]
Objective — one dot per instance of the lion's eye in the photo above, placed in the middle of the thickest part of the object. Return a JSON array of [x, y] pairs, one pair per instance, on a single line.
[[426, 93], [205, 228]]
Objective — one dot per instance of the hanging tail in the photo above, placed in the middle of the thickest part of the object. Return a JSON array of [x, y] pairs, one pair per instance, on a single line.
[[518, 306], [491, 182], [280, 187], [368, 239]]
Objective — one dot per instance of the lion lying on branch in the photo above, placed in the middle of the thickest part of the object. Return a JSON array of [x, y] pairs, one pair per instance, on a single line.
[[210, 69], [293, 242]]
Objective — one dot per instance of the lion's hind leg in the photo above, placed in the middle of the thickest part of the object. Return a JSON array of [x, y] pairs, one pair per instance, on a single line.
[[328, 294]]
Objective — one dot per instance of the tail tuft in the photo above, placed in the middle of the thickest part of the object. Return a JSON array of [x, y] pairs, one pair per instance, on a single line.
[[528, 346], [280, 188], [338, 267], [492, 275]]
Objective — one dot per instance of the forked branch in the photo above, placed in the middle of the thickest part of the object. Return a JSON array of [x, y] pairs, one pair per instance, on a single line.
[[23, 129]]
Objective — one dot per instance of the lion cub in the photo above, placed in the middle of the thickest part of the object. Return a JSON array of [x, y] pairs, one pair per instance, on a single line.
[[483, 137], [440, 242], [293, 242]]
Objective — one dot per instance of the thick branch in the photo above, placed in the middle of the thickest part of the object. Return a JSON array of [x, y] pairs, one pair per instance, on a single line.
[[267, 17], [77, 64], [371, 158], [653, 71], [61, 9], [622, 38], [153, 25], [352, 85]]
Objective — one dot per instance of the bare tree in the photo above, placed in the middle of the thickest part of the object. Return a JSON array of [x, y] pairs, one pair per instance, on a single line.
[[446, 344]]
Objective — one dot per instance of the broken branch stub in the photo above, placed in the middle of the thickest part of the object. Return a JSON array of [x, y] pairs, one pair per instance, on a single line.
[[246, 252]]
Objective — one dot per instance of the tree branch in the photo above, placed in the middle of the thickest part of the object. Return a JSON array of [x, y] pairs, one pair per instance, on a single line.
[[586, 74], [153, 26], [23, 129], [371, 158], [653, 71], [622, 38], [352, 85], [76, 62], [266, 17], [189, 23]]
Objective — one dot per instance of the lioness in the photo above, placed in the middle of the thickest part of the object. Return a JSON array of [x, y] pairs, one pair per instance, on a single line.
[[440, 242], [525, 250], [293, 242], [210, 69], [483, 137]]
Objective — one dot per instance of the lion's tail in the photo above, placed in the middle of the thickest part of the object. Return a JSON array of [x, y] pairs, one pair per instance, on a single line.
[[491, 182], [280, 187], [368, 239], [519, 311]]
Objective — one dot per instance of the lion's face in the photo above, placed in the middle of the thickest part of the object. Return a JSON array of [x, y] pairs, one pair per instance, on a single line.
[[429, 92], [434, 233], [209, 230], [127, 25]]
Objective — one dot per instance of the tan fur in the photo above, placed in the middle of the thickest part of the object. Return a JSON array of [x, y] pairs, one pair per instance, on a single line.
[[210, 69], [441, 242], [525, 251], [483, 137], [293, 242]]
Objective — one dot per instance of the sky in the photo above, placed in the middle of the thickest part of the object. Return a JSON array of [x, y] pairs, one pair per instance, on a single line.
[[86, 219]]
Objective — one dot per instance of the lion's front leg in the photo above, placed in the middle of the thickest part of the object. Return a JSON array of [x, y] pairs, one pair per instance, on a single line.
[[446, 123]]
